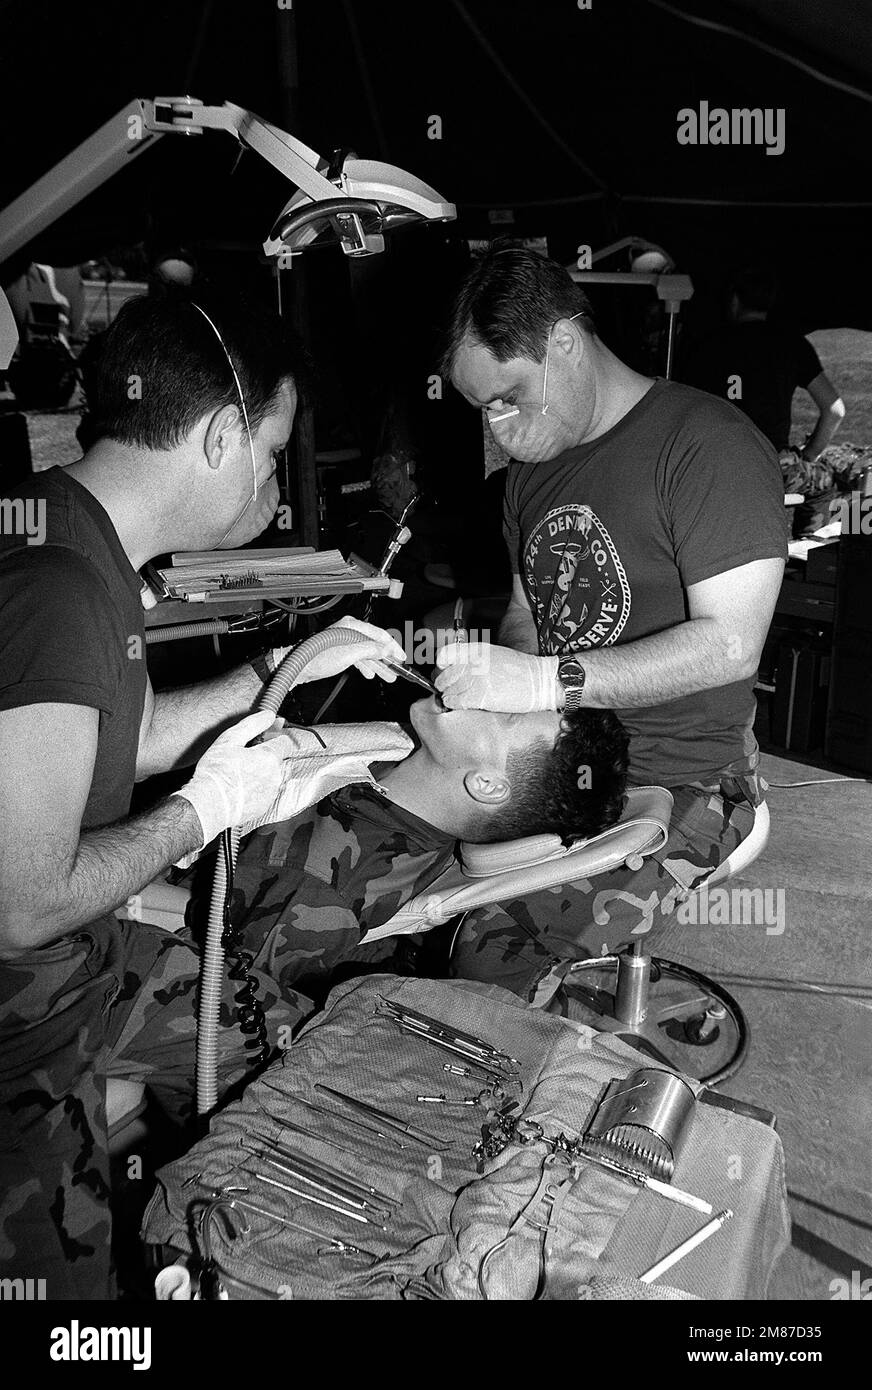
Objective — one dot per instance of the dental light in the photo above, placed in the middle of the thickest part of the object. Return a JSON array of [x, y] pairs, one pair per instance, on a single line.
[[649, 265], [347, 200]]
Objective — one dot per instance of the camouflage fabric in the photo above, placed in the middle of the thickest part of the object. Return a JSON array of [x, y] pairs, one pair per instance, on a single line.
[[527, 945], [306, 891], [116, 1000]]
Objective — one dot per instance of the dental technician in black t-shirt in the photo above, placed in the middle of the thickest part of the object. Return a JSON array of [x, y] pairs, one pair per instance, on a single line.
[[646, 532], [191, 401]]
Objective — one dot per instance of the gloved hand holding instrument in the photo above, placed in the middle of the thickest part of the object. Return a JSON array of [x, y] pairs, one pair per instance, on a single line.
[[481, 675], [377, 650]]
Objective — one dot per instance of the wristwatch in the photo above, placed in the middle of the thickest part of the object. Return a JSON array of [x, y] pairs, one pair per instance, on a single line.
[[571, 675]]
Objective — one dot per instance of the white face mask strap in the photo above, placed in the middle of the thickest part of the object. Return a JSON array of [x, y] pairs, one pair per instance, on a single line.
[[579, 315], [224, 348]]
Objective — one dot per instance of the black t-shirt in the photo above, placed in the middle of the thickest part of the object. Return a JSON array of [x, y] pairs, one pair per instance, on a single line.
[[608, 537], [765, 362], [72, 628]]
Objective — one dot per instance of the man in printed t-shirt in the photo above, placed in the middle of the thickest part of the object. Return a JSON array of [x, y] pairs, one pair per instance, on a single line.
[[646, 531]]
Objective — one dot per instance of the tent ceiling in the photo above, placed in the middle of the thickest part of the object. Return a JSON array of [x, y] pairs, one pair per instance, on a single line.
[[566, 116]]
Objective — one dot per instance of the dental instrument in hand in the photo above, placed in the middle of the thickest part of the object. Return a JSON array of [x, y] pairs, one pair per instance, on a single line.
[[408, 674]]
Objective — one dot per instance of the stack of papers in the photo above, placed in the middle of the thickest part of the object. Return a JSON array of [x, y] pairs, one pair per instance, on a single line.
[[298, 571]]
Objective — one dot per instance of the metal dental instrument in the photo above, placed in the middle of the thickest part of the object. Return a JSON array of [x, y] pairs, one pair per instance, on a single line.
[[663, 1189], [299, 1176], [347, 1120], [408, 674], [390, 1121], [473, 1050], [441, 1030], [489, 1068], [210, 1278], [340, 1192], [236, 1201], [310, 1134], [366, 1190], [685, 1247], [444, 1100], [322, 1110], [318, 1201]]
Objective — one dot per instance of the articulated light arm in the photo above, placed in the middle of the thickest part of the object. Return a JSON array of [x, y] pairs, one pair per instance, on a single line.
[[357, 202]]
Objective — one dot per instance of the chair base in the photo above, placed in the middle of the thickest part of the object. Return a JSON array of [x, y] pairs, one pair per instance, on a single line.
[[671, 1013]]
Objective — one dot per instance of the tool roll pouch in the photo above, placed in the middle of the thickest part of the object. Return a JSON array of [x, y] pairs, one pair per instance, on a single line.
[[517, 1230], [531, 1227]]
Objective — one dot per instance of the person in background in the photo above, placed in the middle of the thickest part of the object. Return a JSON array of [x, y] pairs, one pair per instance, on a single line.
[[759, 364]]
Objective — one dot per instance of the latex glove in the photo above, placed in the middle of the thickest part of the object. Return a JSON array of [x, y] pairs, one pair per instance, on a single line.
[[233, 784], [364, 654], [479, 675]]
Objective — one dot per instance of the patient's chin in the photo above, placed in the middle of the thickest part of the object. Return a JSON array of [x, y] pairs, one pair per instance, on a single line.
[[422, 711]]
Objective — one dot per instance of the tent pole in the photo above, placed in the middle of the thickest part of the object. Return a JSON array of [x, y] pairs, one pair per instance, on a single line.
[[298, 300]]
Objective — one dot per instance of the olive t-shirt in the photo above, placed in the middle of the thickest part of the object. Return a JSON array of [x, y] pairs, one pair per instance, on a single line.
[[72, 628], [609, 536]]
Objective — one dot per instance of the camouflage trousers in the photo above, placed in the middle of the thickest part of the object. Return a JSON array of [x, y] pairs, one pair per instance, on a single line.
[[117, 1000], [528, 945]]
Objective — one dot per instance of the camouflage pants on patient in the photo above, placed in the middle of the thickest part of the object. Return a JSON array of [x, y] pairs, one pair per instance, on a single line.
[[117, 1000], [528, 945]]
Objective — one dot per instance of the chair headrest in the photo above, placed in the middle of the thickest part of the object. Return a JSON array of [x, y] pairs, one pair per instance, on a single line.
[[644, 819]]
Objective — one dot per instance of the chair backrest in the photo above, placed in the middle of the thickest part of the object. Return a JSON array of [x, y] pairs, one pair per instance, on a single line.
[[745, 853], [495, 873]]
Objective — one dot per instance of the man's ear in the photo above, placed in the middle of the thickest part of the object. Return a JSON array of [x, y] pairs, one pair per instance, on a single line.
[[566, 340], [219, 442], [487, 789]]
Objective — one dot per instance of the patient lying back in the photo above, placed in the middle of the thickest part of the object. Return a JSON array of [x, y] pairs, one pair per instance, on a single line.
[[307, 891]]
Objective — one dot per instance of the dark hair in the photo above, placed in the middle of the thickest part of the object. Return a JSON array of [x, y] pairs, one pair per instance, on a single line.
[[509, 301], [162, 342], [573, 789], [755, 287]]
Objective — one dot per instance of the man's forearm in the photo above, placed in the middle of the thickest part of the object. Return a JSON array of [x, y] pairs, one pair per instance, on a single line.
[[186, 721], [695, 655], [518, 630], [828, 422], [110, 865]]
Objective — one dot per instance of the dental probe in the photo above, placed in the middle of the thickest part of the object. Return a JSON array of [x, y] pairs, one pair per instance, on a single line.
[[408, 674]]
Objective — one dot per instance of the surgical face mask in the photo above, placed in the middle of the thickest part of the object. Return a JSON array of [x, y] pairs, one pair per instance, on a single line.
[[528, 432]]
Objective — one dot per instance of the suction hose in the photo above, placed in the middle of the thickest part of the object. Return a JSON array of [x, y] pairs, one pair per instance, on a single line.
[[181, 631], [212, 965]]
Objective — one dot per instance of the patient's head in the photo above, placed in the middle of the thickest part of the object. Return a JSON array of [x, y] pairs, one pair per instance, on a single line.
[[486, 776]]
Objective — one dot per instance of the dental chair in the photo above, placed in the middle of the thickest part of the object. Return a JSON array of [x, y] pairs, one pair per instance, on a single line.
[[668, 1011]]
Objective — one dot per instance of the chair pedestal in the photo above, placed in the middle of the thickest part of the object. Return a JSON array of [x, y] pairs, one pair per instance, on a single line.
[[665, 1008], [671, 1013]]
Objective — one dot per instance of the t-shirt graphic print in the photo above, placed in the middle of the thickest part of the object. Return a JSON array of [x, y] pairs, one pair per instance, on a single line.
[[577, 584]]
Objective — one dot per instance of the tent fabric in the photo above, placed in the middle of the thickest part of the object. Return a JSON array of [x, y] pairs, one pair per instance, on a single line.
[[562, 117]]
